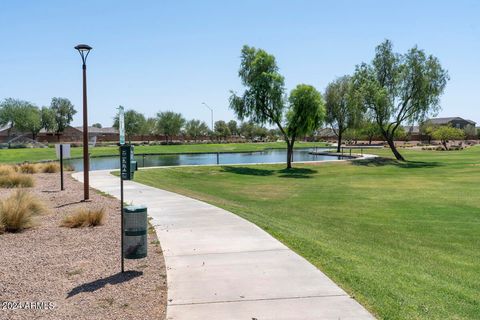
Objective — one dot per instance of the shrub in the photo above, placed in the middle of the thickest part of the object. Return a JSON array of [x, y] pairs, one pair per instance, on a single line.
[[50, 167], [28, 168], [68, 167], [84, 218], [16, 180], [17, 211], [5, 170]]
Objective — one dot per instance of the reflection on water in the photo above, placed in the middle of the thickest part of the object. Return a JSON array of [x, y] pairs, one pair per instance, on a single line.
[[267, 156]]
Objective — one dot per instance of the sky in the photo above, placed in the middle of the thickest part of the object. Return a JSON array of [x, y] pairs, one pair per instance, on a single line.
[[156, 56]]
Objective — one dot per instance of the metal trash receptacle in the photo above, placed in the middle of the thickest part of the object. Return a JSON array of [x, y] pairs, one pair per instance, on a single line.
[[135, 232], [133, 168]]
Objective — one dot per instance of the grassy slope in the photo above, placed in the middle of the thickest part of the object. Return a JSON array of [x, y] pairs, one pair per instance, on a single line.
[[21, 155], [403, 239]]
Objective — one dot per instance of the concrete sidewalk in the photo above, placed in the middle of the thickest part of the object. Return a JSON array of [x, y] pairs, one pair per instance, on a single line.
[[220, 266]]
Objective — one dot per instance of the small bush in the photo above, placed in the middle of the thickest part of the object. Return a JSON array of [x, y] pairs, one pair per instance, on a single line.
[[17, 211], [50, 167], [16, 180], [5, 170], [28, 168], [84, 218], [68, 167]]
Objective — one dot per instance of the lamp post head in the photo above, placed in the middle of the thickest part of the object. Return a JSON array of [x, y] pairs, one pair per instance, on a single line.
[[84, 50]]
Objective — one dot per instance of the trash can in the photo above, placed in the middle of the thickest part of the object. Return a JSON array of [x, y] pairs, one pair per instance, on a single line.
[[135, 232], [133, 168]]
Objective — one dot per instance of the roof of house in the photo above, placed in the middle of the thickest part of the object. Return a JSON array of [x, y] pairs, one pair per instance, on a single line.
[[98, 130], [412, 129], [326, 132], [448, 120]]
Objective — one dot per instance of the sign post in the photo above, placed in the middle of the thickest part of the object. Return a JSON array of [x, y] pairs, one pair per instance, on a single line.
[[62, 151], [123, 167], [121, 124]]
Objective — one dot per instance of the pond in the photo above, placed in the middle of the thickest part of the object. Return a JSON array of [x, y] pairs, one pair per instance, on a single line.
[[267, 156]]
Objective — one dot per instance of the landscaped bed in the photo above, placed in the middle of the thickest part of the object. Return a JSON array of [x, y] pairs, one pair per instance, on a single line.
[[401, 237], [75, 272]]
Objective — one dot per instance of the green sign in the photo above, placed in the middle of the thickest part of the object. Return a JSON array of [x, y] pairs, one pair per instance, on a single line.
[[125, 158]]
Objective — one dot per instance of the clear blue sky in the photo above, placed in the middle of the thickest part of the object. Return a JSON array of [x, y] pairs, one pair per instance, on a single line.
[[173, 55]]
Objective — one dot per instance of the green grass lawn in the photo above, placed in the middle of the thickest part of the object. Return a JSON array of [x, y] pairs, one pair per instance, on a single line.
[[39, 154], [402, 238]]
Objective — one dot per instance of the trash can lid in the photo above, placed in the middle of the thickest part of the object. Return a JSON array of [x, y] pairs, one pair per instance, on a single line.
[[133, 209]]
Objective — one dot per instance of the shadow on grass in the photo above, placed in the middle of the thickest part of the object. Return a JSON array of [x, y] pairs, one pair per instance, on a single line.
[[248, 171], [100, 283], [296, 173], [379, 162], [283, 173]]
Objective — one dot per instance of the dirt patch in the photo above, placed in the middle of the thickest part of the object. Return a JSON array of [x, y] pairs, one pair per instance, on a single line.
[[52, 272]]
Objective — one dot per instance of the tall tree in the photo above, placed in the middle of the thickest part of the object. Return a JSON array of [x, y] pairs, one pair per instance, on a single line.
[[150, 125], [48, 119], [342, 113], [196, 128], [170, 124], [369, 129], [221, 129], [134, 123], [446, 133], [263, 100], [396, 88], [233, 127], [305, 114], [97, 125], [8, 112], [64, 111], [247, 130], [28, 119]]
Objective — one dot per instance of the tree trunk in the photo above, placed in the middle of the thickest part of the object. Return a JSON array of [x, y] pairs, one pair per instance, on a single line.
[[444, 142], [397, 154], [289, 154], [339, 141], [370, 140]]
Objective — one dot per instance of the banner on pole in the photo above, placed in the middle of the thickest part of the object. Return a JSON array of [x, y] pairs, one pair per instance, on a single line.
[[121, 124]]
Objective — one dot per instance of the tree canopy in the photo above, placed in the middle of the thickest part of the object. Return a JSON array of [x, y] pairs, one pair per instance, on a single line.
[[233, 126], [221, 129], [169, 123], [399, 88], [134, 123], [63, 111], [196, 128], [28, 118], [341, 112], [263, 99], [8, 112], [446, 133]]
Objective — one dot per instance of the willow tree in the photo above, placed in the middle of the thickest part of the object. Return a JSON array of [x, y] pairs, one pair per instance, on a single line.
[[399, 88], [263, 99], [342, 112]]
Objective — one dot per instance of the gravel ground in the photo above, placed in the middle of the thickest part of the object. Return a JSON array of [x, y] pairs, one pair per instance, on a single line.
[[77, 271]]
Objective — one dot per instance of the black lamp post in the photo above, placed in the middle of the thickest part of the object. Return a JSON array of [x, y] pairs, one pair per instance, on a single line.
[[84, 50]]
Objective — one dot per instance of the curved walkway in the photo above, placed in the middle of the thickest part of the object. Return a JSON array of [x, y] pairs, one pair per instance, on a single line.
[[220, 266]]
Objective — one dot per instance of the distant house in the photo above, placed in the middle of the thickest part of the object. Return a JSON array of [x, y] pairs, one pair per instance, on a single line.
[[455, 122], [70, 134], [75, 134]]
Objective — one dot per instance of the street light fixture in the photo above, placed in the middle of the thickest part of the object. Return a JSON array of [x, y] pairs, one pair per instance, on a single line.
[[84, 50], [211, 110]]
